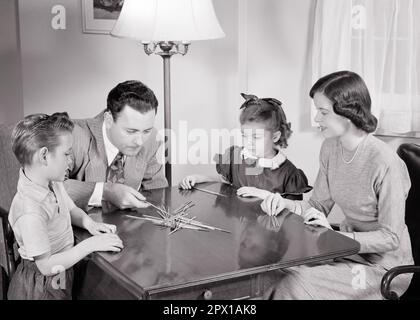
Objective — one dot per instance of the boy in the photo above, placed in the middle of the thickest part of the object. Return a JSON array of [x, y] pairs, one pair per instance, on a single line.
[[41, 213]]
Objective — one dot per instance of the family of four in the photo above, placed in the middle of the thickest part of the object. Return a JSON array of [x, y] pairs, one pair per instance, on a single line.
[[67, 166]]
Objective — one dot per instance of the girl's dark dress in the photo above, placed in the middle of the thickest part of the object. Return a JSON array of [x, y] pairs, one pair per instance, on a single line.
[[287, 180]]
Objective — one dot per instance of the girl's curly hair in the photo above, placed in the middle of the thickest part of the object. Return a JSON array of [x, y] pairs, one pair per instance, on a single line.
[[269, 111]]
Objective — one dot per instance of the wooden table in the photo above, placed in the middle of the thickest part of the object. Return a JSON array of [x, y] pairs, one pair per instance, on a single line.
[[190, 264]]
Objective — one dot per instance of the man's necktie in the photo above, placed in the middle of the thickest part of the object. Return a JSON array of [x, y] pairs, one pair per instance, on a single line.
[[116, 170]]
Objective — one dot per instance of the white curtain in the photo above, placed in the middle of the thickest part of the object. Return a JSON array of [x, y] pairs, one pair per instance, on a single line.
[[380, 40]]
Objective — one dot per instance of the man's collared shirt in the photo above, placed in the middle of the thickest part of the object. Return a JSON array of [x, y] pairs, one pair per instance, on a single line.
[[111, 152]]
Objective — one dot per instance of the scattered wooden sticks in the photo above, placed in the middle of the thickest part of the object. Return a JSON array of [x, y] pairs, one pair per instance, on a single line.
[[274, 223], [209, 191], [178, 220]]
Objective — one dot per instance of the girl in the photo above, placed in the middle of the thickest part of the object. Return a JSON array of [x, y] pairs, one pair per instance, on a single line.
[[259, 167], [41, 213], [368, 181]]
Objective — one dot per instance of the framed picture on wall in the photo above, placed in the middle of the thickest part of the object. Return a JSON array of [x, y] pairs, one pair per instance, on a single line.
[[99, 16]]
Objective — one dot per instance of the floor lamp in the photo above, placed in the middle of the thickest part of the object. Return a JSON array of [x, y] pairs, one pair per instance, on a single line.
[[166, 28]]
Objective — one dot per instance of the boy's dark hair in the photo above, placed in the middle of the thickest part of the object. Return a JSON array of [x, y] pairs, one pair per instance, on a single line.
[[37, 131], [269, 111], [350, 98], [134, 94]]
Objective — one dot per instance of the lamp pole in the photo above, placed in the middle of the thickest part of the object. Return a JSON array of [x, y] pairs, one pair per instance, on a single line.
[[168, 49], [155, 23]]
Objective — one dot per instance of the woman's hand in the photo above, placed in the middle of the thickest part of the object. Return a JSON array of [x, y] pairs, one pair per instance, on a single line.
[[345, 226], [97, 228], [316, 218], [273, 204], [252, 192]]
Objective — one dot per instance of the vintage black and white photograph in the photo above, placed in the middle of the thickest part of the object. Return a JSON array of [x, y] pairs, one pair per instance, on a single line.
[[170, 150]]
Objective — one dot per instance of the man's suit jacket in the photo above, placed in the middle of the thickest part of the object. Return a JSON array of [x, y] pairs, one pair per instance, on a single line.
[[90, 164]]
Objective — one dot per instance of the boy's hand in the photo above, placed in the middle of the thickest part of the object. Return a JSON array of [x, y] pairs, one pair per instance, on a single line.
[[189, 181], [104, 242], [252, 192], [96, 228]]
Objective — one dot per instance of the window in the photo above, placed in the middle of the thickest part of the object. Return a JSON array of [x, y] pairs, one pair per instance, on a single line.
[[380, 40]]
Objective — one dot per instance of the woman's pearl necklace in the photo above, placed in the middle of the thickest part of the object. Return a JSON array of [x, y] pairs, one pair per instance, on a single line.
[[354, 155]]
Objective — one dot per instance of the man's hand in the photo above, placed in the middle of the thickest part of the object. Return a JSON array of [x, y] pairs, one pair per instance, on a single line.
[[123, 197], [252, 192]]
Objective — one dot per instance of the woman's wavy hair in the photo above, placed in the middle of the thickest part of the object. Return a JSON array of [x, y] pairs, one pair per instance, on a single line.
[[269, 111], [37, 131], [349, 96]]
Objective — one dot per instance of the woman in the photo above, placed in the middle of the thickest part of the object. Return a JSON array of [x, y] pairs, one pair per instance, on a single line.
[[368, 181]]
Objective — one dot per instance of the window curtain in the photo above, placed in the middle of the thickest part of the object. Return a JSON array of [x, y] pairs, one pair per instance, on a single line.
[[380, 40]]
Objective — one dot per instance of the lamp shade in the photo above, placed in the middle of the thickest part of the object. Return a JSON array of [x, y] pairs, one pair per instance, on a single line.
[[167, 20]]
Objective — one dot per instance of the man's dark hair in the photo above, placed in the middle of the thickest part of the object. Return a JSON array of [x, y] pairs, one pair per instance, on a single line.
[[131, 93]]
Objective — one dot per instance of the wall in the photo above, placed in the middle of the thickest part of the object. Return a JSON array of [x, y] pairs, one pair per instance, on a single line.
[[277, 63], [11, 102], [72, 71], [266, 52], [276, 60]]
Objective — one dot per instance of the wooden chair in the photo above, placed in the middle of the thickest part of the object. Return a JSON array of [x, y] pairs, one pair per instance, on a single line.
[[9, 174], [410, 153]]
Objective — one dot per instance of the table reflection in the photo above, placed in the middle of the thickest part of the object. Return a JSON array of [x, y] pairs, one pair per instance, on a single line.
[[153, 258], [260, 244]]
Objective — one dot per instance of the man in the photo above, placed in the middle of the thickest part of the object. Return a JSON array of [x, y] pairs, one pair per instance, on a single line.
[[114, 154]]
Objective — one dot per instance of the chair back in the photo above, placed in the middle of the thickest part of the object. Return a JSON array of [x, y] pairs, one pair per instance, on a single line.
[[9, 168], [9, 174], [410, 154]]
